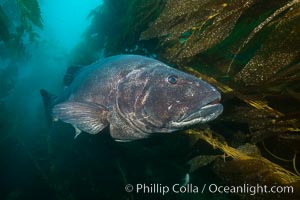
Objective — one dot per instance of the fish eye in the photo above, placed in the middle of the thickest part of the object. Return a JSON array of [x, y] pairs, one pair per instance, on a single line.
[[172, 79]]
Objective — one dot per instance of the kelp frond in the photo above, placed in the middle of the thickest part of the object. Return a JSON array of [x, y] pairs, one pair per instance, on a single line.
[[262, 25], [258, 104], [19, 17], [195, 26], [31, 12], [285, 176], [4, 31]]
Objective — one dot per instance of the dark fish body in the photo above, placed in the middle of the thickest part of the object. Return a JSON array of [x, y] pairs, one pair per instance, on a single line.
[[135, 96]]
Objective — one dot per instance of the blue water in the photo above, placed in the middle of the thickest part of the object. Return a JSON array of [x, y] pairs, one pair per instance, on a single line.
[[66, 20]]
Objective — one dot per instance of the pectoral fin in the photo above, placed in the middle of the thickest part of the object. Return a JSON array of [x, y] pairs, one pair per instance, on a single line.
[[88, 117]]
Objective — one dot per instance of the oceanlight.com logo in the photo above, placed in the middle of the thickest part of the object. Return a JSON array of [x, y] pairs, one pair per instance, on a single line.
[[251, 189], [156, 188]]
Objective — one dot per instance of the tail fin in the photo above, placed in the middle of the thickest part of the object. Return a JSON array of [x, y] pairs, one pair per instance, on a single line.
[[48, 100]]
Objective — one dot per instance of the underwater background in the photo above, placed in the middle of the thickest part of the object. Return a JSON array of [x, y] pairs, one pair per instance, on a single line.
[[248, 49]]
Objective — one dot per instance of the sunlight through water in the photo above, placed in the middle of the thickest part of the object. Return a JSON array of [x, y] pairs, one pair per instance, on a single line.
[[66, 20]]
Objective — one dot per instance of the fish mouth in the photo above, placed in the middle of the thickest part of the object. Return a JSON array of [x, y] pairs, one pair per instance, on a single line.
[[205, 113]]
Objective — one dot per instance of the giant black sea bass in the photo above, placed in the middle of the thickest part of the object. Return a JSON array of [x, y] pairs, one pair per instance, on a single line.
[[135, 96]]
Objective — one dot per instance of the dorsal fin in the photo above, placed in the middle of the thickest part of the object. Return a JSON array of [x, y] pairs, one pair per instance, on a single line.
[[71, 74]]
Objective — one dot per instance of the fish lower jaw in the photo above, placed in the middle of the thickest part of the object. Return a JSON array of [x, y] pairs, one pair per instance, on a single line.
[[196, 118], [189, 123]]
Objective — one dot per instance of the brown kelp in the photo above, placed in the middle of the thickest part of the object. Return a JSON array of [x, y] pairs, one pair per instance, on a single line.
[[18, 18], [244, 165], [187, 28], [4, 31], [120, 31]]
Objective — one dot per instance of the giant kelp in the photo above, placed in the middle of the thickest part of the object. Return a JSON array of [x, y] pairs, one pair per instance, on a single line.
[[278, 53], [120, 31], [247, 166], [30, 12], [281, 175], [243, 31], [4, 32], [18, 18], [187, 28]]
